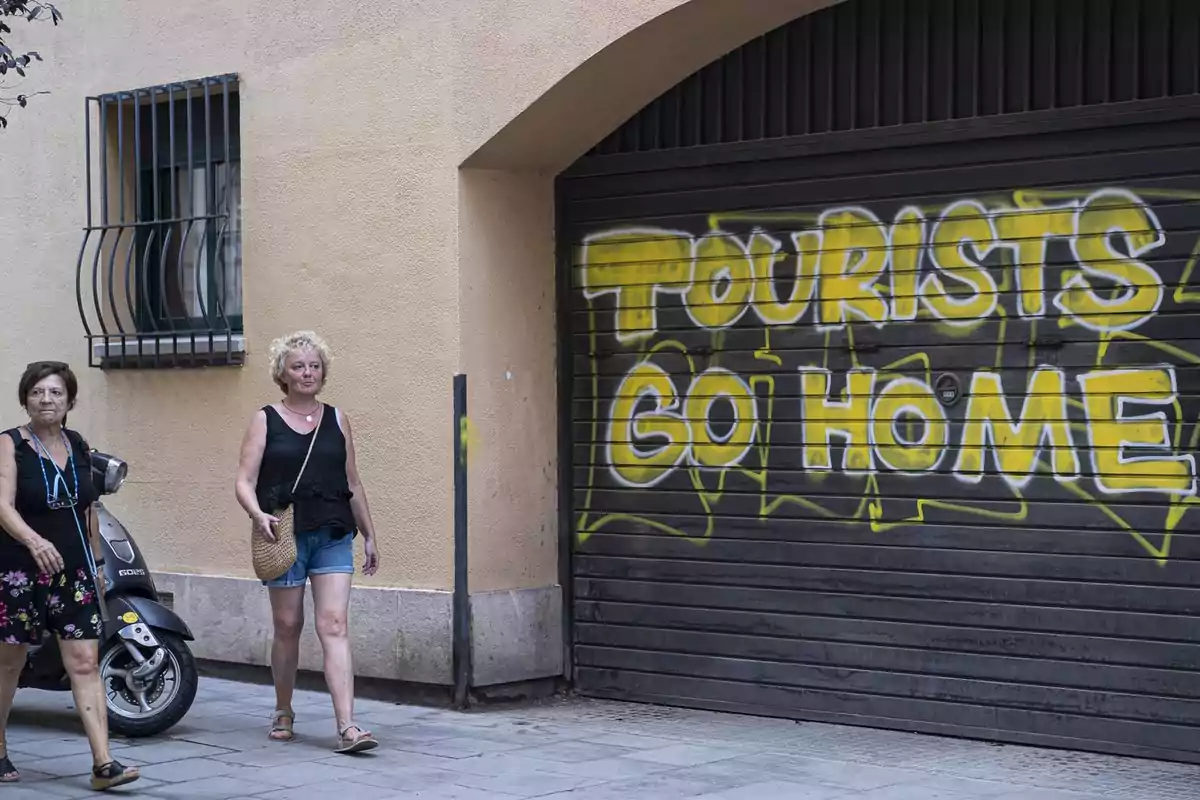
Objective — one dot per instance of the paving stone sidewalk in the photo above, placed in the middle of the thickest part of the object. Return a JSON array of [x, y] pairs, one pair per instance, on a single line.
[[565, 750]]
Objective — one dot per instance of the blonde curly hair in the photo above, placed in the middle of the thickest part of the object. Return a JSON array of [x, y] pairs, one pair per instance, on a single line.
[[300, 340]]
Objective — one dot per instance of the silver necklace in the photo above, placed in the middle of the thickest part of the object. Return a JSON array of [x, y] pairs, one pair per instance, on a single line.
[[307, 417]]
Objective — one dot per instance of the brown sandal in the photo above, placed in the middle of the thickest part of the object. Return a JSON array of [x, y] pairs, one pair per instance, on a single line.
[[361, 742], [281, 731]]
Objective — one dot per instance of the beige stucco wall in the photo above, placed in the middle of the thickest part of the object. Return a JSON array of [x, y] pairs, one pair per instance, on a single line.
[[596, 64], [357, 222]]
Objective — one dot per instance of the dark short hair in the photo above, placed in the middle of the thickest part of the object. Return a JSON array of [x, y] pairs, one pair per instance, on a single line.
[[38, 371]]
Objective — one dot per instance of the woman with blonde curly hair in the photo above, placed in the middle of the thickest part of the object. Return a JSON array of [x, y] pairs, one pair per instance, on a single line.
[[330, 508]]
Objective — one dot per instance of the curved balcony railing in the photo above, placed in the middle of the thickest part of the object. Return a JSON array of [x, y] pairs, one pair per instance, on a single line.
[[158, 278]]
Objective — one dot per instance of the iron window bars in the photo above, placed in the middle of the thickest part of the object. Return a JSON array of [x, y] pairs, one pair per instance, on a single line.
[[159, 275]]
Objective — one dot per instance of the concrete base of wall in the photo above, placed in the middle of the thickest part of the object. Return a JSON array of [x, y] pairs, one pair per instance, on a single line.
[[517, 635], [397, 634], [395, 691]]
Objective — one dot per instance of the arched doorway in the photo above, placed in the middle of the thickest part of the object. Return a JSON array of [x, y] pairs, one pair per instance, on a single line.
[[881, 403], [507, 342]]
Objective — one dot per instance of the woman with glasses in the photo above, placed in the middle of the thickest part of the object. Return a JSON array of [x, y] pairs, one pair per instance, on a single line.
[[50, 581]]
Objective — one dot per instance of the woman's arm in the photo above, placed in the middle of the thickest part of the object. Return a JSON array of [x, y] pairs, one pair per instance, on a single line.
[[253, 444], [47, 557], [358, 502], [94, 533]]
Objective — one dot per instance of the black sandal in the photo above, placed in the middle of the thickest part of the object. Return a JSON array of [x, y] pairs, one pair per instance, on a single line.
[[8, 773], [111, 775]]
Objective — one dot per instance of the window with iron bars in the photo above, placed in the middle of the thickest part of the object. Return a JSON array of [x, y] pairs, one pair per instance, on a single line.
[[159, 276]]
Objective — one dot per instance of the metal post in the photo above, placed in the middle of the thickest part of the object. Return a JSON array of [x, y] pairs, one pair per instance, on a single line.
[[462, 599]]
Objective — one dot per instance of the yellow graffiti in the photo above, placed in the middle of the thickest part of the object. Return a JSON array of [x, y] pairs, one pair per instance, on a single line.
[[765, 254], [468, 439], [629, 426], [842, 265], [1112, 432], [866, 423], [1015, 445], [906, 453], [853, 258], [965, 223], [708, 449], [1182, 294], [1030, 230], [1103, 215], [848, 418], [636, 266], [722, 281], [907, 242]]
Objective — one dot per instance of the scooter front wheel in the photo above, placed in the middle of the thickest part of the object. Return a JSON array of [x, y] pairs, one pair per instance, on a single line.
[[146, 703]]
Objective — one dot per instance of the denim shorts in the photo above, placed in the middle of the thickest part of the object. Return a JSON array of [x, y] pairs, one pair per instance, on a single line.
[[318, 552]]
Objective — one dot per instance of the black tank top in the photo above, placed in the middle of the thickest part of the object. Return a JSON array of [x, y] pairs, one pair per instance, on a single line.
[[322, 500], [57, 525]]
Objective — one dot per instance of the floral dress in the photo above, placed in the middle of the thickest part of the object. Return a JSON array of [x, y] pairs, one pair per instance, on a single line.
[[31, 602]]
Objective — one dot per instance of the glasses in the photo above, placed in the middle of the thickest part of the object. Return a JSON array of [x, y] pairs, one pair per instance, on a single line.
[[56, 504], [53, 501], [52, 497]]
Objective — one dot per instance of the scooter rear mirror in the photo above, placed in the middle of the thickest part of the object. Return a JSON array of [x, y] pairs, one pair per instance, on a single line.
[[111, 470]]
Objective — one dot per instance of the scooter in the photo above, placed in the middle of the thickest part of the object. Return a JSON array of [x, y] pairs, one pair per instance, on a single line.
[[148, 671]]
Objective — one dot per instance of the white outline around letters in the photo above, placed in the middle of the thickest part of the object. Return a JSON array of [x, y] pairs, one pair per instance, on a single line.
[[691, 454], [846, 311], [1078, 281], [830, 429], [631, 439], [1118, 417], [943, 421], [662, 233], [988, 442], [980, 255]]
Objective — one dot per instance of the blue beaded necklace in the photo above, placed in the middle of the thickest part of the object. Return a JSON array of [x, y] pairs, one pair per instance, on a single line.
[[71, 500], [52, 499]]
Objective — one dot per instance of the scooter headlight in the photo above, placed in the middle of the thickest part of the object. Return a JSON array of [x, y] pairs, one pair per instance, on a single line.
[[111, 471]]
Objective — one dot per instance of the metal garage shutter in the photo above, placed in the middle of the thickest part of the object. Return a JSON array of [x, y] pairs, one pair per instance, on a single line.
[[896, 429]]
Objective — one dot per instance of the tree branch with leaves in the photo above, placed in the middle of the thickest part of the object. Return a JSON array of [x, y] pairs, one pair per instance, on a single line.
[[16, 63]]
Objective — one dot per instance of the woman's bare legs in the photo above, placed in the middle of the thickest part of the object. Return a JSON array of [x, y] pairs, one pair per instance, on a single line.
[[287, 616], [331, 602], [12, 661], [81, 661]]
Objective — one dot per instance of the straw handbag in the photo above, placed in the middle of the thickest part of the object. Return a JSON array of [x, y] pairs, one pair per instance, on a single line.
[[273, 559]]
